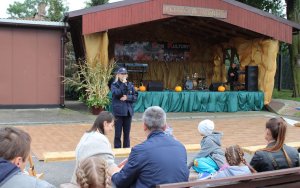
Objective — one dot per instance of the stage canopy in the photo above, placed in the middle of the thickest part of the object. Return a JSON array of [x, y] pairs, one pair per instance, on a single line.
[[202, 31]]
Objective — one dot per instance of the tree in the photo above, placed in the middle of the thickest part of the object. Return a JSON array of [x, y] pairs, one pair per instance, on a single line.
[[293, 11], [92, 3], [29, 8], [22, 10], [56, 10], [271, 6]]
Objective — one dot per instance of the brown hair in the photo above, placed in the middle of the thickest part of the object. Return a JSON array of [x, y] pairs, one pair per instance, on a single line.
[[277, 127], [92, 173], [235, 156], [14, 143], [99, 122]]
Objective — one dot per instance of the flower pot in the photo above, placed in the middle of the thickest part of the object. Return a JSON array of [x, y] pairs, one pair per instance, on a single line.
[[96, 110]]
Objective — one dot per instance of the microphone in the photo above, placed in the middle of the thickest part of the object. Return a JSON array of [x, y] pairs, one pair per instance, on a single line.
[[125, 81]]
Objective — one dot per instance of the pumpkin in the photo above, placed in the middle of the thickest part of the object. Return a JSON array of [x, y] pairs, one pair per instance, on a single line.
[[142, 88], [136, 88], [221, 88], [178, 88]]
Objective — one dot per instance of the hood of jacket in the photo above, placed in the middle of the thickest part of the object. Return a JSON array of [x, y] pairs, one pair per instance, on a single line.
[[7, 170], [215, 137]]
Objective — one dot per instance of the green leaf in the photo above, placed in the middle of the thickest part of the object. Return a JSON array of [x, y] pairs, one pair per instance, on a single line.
[[92, 78]]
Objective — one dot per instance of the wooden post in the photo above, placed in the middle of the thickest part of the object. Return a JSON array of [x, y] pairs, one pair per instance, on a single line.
[[32, 171]]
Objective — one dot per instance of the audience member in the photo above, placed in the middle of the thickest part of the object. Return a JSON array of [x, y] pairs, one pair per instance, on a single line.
[[92, 173], [94, 141], [158, 160], [276, 155], [237, 164], [14, 154], [211, 156]]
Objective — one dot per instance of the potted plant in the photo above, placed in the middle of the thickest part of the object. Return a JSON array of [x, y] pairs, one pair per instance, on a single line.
[[92, 79]]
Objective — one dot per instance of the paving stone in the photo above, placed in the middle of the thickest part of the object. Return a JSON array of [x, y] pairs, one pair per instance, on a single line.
[[245, 131]]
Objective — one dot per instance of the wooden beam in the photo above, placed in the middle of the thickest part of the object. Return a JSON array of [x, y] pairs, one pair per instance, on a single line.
[[121, 152]]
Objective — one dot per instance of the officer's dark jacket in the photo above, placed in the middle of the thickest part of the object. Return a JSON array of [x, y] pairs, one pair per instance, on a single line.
[[123, 108]]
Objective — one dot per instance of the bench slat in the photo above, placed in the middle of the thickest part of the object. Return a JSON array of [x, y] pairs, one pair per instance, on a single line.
[[253, 180], [252, 149], [120, 152]]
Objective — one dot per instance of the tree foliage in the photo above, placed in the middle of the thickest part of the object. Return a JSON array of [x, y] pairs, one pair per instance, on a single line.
[[54, 10], [92, 3], [272, 6]]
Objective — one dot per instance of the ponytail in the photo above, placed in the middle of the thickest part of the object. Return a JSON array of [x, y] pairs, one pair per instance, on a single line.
[[277, 127]]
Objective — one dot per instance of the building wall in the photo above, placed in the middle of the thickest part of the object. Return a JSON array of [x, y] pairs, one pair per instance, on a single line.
[[29, 66]]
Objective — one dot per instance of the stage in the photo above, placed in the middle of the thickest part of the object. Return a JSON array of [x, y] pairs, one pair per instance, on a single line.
[[200, 101]]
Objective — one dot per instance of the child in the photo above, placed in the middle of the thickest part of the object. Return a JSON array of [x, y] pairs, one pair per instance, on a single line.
[[237, 164], [211, 156], [92, 172]]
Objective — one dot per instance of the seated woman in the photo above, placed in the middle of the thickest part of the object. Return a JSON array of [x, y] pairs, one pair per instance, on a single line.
[[237, 164], [276, 155], [92, 172], [94, 142]]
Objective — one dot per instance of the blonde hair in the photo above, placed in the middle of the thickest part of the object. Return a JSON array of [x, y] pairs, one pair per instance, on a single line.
[[92, 173], [235, 156]]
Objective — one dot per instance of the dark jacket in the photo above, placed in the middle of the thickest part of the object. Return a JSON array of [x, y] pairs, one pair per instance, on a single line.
[[123, 108], [263, 161], [12, 177], [158, 160], [234, 78]]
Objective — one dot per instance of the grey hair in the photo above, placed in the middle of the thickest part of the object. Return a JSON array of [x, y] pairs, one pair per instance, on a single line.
[[154, 118]]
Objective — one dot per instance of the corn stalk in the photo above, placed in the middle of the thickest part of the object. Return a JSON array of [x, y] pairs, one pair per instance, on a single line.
[[92, 78]]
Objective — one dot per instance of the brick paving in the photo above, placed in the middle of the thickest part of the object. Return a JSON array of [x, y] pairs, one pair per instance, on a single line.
[[245, 131]]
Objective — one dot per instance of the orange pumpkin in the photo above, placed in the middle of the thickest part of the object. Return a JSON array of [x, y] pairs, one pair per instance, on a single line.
[[221, 88], [142, 88], [178, 88]]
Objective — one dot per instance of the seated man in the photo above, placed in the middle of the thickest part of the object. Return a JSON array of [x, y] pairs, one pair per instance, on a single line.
[[158, 160], [14, 153]]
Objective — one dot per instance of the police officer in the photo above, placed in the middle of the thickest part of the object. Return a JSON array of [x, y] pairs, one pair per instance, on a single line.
[[123, 97]]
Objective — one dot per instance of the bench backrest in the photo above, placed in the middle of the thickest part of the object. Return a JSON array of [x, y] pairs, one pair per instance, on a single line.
[[287, 178]]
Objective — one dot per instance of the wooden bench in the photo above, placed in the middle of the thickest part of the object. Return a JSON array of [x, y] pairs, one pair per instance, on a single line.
[[252, 149], [286, 178], [120, 152]]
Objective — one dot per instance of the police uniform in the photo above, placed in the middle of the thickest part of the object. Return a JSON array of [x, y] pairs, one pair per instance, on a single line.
[[123, 110]]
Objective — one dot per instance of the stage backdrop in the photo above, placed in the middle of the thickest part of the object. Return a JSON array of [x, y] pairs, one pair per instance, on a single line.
[[204, 59]]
